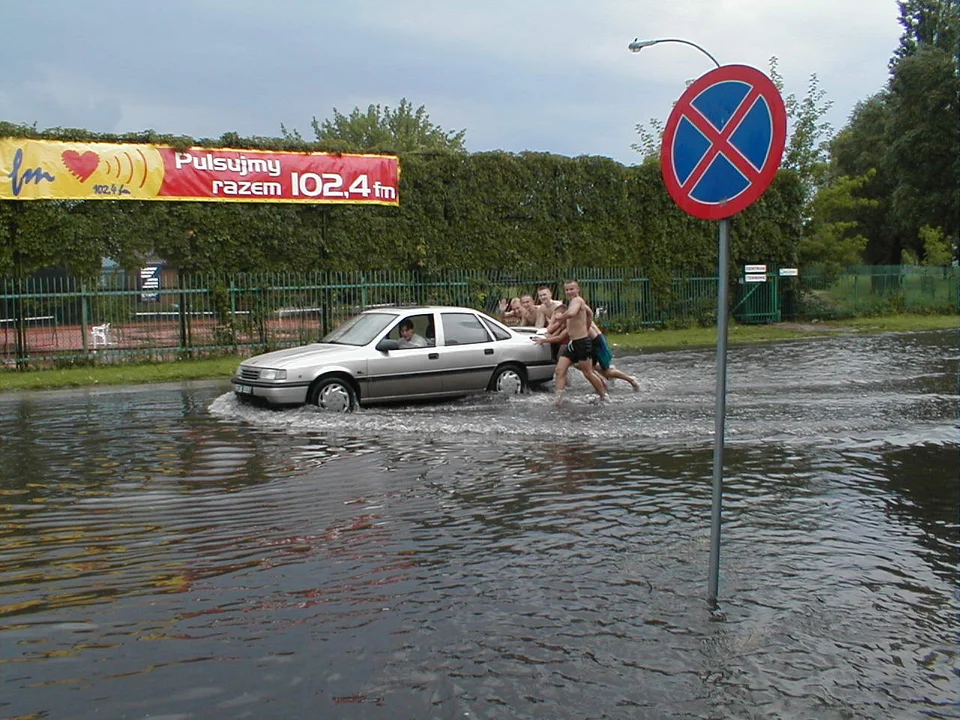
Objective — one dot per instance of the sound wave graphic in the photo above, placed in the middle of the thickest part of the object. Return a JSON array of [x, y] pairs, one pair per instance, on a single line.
[[127, 167]]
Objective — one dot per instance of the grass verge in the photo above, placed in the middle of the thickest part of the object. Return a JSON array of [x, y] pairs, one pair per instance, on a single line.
[[753, 334], [119, 374], [222, 368]]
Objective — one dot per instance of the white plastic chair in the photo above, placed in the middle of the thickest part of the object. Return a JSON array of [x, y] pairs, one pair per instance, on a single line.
[[100, 334]]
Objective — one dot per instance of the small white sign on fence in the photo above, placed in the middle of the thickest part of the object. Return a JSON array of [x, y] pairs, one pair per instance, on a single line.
[[150, 280], [755, 278], [789, 272], [754, 268]]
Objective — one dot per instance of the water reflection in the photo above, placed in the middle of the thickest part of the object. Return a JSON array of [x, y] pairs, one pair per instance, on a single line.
[[168, 552]]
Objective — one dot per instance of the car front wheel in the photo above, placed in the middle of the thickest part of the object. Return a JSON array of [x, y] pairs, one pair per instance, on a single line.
[[333, 395], [509, 380]]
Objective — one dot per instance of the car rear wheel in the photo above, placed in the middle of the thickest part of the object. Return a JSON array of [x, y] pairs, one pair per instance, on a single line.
[[333, 395], [509, 380]]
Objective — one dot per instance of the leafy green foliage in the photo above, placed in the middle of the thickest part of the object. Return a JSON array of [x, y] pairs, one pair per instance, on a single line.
[[381, 128], [832, 239], [651, 140], [807, 151], [859, 151], [937, 251], [924, 143], [459, 211], [908, 135], [909, 257], [927, 23]]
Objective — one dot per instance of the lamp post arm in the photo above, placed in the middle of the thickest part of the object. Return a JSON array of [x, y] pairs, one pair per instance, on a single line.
[[638, 45]]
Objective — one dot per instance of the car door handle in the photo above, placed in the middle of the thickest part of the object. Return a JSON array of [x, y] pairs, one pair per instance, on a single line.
[[488, 351], [433, 356]]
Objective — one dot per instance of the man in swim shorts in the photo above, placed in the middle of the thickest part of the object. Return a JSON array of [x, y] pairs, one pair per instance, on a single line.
[[579, 350], [603, 359]]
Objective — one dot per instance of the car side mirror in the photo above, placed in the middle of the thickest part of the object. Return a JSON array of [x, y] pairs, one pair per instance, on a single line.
[[387, 344]]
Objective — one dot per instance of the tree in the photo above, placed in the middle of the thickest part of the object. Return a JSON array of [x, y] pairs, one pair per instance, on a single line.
[[936, 250], [807, 150], [909, 136], [651, 139], [381, 128], [924, 137], [832, 236], [924, 144], [927, 23], [829, 227], [860, 150]]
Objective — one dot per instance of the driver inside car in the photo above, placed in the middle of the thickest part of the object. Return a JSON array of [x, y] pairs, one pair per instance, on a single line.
[[408, 338]]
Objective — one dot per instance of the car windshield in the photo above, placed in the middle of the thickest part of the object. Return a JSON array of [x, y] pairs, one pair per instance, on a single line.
[[360, 329]]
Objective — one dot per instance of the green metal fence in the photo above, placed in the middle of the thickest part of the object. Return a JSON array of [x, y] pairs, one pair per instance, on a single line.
[[63, 320]]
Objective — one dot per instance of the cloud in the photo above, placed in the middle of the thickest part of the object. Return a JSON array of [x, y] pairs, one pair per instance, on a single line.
[[549, 76]]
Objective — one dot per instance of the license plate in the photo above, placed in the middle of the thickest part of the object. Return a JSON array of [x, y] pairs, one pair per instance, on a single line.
[[243, 389]]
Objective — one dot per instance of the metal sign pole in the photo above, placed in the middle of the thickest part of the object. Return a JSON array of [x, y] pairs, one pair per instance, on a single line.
[[721, 408], [746, 133]]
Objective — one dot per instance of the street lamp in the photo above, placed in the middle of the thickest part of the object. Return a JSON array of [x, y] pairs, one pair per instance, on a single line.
[[637, 45]]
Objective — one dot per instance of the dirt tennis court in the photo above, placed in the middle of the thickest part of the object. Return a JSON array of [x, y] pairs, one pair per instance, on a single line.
[[46, 340]]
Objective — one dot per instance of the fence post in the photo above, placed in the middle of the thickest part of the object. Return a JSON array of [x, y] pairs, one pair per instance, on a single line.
[[775, 297], [324, 281], [84, 318], [19, 323], [182, 312]]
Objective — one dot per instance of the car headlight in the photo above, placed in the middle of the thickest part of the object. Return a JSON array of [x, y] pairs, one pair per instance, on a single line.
[[268, 374]]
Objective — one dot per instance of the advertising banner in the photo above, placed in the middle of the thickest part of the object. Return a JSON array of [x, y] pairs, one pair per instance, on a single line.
[[56, 170]]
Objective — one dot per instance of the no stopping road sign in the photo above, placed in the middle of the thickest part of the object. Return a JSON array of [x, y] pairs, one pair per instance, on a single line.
[[723, 142]]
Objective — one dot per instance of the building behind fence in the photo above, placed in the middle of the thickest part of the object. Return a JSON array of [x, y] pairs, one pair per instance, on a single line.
[[164, 314]]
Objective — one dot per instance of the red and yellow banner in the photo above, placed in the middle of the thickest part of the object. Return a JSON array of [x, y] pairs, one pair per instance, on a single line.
[[56, 170]]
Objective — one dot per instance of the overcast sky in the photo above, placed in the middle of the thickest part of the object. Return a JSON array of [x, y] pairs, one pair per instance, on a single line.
[[542, 75]]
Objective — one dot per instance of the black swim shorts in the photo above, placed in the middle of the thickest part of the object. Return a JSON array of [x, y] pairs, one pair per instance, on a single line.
[[578, 350]]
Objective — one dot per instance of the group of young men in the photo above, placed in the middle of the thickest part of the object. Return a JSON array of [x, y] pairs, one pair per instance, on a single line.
[[524, 310], [573, 326]]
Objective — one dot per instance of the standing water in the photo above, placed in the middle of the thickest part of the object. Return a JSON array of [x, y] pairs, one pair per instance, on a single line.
[[169, 553]]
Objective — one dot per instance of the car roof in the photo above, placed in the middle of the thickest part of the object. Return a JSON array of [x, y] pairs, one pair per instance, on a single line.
[[411, 309]]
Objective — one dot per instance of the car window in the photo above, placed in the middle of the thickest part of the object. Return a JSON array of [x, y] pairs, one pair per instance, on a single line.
[[500, 333], [360, 329], [463, 329], [423, 329]]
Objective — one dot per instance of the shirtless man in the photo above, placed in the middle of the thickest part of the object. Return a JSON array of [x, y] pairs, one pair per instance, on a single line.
[[528, 311], [510, 312], [602, 357], [546, 307], [578, 350]]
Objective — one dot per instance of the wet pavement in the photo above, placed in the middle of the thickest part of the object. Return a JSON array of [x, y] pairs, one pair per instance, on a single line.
[[170, 553]]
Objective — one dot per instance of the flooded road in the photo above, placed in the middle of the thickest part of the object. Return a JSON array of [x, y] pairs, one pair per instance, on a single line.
[[169, 553]]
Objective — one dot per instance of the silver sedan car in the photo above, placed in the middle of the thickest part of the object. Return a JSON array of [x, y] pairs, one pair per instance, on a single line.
[[388, 354]]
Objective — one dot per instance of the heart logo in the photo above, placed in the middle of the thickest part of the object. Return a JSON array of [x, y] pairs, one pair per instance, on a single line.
[[81, 166]]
